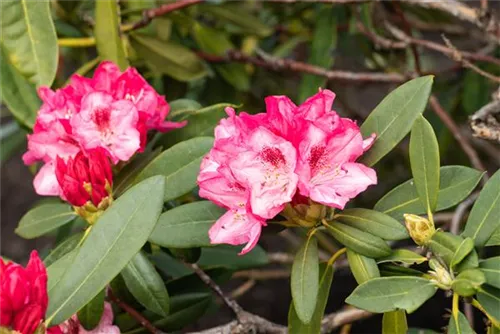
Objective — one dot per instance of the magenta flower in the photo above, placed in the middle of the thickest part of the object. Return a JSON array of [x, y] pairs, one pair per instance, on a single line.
[[292, 154]]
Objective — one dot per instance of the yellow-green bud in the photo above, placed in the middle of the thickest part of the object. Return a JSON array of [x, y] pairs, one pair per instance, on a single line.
[[440, 274], [421, 230], [468, 281]]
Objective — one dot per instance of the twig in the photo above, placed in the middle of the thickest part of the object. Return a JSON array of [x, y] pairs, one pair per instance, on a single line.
[[242, 289], [149, 14], [134, 314], [460, 212], [458, 57], [485, 123], [281, 258], [347, 316]]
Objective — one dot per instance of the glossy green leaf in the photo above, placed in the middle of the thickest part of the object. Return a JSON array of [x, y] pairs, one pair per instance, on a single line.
[[455, 184], [363, 268], [63, 248], [295, 325], [217, 43], [17, 93], [56, 270], [146, 285], [424, 159], [29, 39], [237, 15], [464, 249], [489, 298], [324, 43], [373, 222], [491, 269], [304, 279], [459, 325], [43, 219], [483, 219], [361, 242], [393, 118], [227, 256], [403, 256], [495, 238], [179, 165], [169, 58], [187, 225], [90, 315], [394, 322], [107, 33], [385, 294], [471, 261], [113, 241]]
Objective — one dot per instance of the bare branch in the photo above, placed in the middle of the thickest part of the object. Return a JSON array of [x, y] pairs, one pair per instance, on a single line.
[[149, 14], [346, 316], [485, 123]]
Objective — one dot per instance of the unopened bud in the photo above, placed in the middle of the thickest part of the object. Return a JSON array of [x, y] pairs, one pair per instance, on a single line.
[[467, 282], [440, 274], [421, 230]]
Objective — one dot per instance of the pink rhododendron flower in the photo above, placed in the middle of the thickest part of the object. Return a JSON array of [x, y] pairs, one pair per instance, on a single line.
[[291, 154], [105, 326]]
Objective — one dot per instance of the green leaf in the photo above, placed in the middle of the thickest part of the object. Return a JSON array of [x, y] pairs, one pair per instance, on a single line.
[[456, 182], [363, 268], [169, 58], [424, 158], [217, 43], [17, 93], [113, 241], [385, 294], [491, 269], [471, 261], [387, 269], [192, 283], [237, 15], [304, 279], [63, 248], [324, 43], [179, 165], [181, 107], [146, 285], [13, 142], [495, 238], [56, 270], [361, 242], [186, 226], [227, 256], [43, 219], [29, 39], [468, 282], [394, 322], [295, 325], [459, 325], [373, 222], [476, 91], [421, 331], [444, 245], [90, 315], [393, 118], [168, 265], [403, 256], [107, 33], [483, 219], [464, 249], [489, 298]]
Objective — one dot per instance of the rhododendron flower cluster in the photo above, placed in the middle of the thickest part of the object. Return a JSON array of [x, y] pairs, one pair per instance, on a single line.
[[111, 112], [291, 154]]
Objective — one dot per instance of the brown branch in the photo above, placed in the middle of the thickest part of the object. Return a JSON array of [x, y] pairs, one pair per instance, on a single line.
[[149, 14], [134, 314], [281, 258], [346, 316], [242, 289], [485, 123]]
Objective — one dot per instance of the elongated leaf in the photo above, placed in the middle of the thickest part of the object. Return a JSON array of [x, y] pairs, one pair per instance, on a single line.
[[115, 238], [483, 219], [387, 269], [489, 298], [43, 219], [146, 285], [445, 245], [404, 256], [17, 93], [495, 238], [295, 325], [394, 322], [471, 261], [217, 43], [373, 222], [459, 325], [56, 270], [424, 158], [63, 248], [179, 165], [462, 251], [227, 256], [169, 58], [186, 226], [361, 242], [491, 269], [393, 118], [363, 268], [29, 39], [387, 294], [107, 33], [456, 182], [90, 315], [323, 46], [304, 280]]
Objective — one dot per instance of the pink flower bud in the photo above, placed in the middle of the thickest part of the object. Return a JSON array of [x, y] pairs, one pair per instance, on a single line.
[[27, 320]]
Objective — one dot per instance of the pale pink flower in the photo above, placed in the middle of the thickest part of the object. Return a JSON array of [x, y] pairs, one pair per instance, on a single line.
[[105, 326], [107, 123]]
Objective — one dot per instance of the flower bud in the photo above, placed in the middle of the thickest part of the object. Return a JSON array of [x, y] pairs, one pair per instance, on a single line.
[[421, 230], [440, 274], [467, 282]]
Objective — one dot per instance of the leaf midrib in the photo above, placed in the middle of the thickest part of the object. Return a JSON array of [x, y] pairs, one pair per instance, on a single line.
[[31, 38]]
